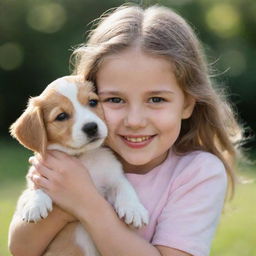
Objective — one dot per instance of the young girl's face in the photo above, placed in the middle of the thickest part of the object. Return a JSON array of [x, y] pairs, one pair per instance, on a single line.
[[143, 106]]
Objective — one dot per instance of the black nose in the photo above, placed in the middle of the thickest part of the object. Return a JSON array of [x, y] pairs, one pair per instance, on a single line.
[[90, 129]]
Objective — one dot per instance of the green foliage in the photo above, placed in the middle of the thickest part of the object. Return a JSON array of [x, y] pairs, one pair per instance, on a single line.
[[235, 235], [37, 37]]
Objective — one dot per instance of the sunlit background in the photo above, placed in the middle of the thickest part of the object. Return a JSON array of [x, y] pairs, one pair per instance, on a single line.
[[37, 38]]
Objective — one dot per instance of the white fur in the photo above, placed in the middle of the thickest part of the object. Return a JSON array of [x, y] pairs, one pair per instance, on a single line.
[[85, 242], [105, 170]]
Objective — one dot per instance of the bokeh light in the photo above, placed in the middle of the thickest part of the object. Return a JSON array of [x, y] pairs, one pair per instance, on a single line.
[[11, 56], [47, 17], [223, 19]]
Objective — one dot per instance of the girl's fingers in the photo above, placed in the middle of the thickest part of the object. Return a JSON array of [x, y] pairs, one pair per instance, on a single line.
[[31, 159], [53, 159], [48, 160], [40, 181], [38, 168], [32, 171]]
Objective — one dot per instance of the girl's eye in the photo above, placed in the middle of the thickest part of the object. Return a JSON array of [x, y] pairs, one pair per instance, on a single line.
[[93, 103], [62, 117], [156, 99], [114, 100]]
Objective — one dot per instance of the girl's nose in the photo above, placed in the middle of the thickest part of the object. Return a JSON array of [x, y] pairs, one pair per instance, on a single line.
[[135, 118]]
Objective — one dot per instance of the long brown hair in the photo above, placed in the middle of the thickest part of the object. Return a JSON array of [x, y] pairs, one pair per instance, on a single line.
[[162, 32]]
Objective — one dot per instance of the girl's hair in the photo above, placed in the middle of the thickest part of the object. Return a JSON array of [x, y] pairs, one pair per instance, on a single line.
[[160, 31]]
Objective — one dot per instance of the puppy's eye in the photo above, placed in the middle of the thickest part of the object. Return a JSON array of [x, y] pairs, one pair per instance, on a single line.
[[93, 103], [62, 117]]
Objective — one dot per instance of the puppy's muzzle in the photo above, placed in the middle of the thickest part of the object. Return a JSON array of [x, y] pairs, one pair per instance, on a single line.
[[90, 129]]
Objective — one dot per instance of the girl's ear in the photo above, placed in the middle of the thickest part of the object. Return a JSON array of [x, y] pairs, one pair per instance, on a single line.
[[188, 106], [29, 129]]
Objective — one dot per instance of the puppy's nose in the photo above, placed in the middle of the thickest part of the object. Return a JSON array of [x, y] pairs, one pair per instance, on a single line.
[[90, 129]]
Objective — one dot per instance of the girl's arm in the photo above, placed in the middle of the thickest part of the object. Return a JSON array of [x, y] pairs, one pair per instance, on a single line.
[[75, 192], [113, 237], [31, 239]]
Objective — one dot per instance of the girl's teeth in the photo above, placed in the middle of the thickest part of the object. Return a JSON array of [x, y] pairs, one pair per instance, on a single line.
[[141, 139]]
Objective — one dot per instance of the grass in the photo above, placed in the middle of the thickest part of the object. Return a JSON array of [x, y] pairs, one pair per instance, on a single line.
[[235, 235], [13, 167]]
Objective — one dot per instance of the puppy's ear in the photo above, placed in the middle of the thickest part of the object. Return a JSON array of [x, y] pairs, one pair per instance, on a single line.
[[29, 129]]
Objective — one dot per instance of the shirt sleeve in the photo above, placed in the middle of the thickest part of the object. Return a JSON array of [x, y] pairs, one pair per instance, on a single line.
[[189, 219]]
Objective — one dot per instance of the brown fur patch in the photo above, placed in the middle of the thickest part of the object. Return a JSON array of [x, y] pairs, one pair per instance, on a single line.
[[29, 129], [85, 94], [84, 90], [53, 104]]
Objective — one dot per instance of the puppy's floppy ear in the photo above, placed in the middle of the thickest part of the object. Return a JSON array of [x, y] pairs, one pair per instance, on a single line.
[[29, 129]]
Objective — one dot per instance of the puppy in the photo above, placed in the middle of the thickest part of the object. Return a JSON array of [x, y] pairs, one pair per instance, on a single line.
[[67, 117]]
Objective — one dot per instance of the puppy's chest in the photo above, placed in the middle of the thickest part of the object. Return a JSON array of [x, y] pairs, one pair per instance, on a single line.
[[103, 167]]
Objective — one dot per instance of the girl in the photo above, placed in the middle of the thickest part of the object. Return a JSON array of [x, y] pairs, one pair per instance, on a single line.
[[172, 131]]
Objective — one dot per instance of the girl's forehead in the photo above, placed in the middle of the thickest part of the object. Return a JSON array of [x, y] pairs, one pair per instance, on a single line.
[[136, 86], [132, 63], [135, 54], [136, 70]]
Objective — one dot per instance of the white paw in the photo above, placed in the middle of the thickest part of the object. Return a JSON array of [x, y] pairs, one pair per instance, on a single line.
[[133, 213], [34, 205]]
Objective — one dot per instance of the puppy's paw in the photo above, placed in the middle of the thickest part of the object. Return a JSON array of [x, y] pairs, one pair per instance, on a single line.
[[34, 205], [133, 213]]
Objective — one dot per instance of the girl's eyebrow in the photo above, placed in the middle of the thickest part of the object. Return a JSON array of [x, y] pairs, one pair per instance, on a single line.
[[149, 92], [160, 92], [109, 92]]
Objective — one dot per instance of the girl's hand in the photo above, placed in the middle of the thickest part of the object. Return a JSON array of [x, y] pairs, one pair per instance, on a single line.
[[65, 179]]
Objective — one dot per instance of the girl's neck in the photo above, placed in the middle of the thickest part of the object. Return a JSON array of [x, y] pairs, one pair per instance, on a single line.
[[142, 169]]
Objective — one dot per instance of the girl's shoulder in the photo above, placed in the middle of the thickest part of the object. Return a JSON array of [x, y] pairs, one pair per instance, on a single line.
[[198, 166], [198, 159]]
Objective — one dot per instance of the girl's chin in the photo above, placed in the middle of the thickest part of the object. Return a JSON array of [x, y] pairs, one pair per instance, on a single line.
[[132, 161], [135, 165], [140, 164]]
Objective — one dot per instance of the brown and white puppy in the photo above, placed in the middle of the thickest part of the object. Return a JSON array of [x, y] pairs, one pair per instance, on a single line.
[[68, 118]]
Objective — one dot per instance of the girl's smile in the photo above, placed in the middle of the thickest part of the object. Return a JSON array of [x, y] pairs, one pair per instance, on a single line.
[[138, 141], [143, 106]]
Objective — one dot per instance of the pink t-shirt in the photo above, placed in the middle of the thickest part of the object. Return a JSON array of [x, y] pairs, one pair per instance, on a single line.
[[184, 196]]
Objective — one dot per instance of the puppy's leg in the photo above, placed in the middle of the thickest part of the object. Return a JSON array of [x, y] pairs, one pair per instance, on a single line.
[[107, 174], [127, 204], [33, 205]]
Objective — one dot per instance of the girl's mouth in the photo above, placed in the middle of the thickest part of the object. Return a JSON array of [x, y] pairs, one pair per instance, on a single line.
[[137, 141]]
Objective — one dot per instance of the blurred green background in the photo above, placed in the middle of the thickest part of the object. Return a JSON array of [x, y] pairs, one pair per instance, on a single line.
[[36, 40]]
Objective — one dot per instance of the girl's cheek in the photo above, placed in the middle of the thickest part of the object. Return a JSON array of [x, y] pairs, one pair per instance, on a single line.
[[113, 121], [112, 118]]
